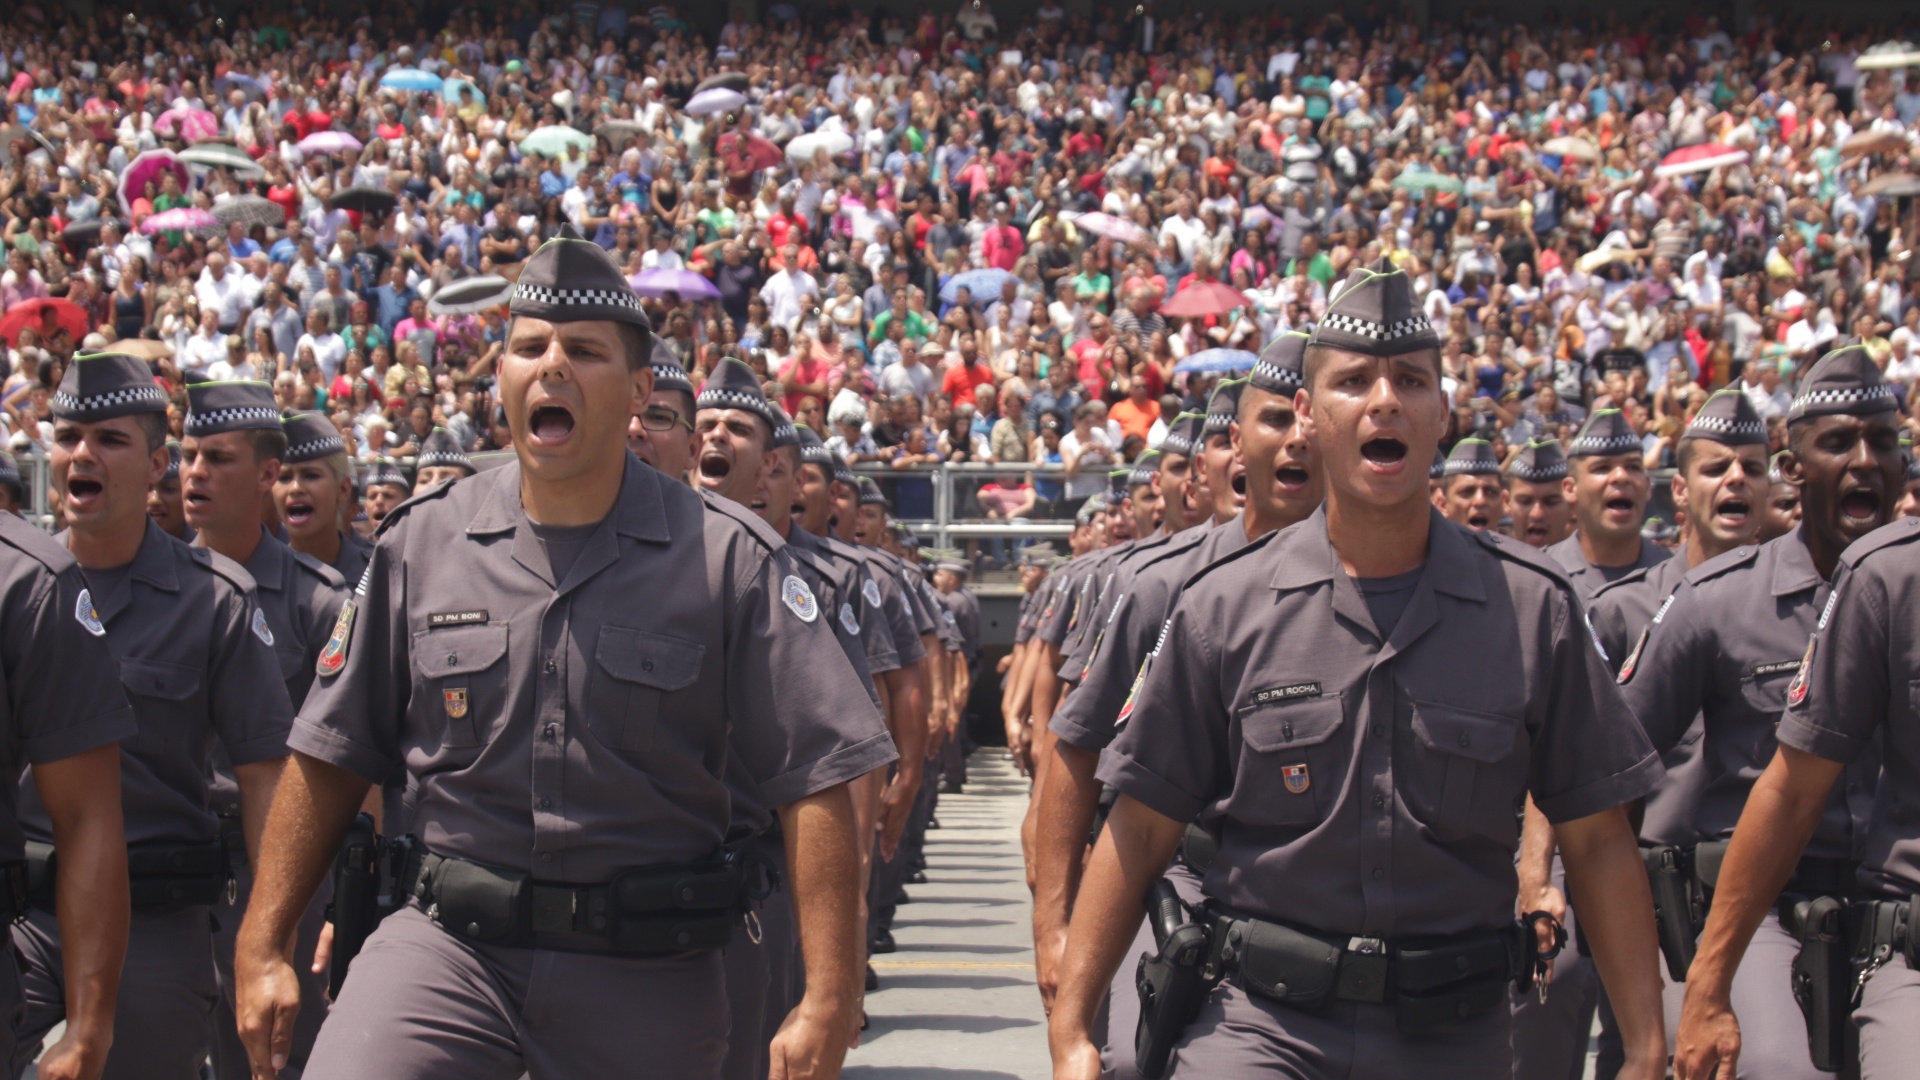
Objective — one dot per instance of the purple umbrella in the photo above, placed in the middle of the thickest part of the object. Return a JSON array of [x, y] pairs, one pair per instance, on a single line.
[[684, 283], [148, 166], [328, 142], [180, 219]]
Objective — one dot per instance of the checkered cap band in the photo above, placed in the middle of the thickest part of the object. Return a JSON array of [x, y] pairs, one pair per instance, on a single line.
[[547, 294], [813, 453], [1274, 378], [713, 397], [431, 458], [315, 449], [1539, 474], [670, 377], [386, 474], [1377, 331], [1598, 446], [1217, 424], [1829, 401], [231, 419], [1176, 444], [1720, 425], [1469, 467], [150, 394]]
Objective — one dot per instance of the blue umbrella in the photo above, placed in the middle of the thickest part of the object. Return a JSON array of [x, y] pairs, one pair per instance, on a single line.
[[248, 83], [451, 90], [411, 80], [1216, 362], [984, 284]]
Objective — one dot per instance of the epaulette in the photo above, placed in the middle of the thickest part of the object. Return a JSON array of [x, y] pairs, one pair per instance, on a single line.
[[1178, 544], [1258, 544], [1526, 555], [759, 529], [1723, 563], [223, 566], [36, 545], [1903, 531], [437, 491], [319, 569], [1633, 578]]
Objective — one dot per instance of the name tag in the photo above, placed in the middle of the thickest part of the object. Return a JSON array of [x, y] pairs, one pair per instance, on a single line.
[[1778, 667], [1286, 693], [456, 618]]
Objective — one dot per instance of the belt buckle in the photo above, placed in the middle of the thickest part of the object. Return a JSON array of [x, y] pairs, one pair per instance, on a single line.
[[1363, 970], [554, 908]]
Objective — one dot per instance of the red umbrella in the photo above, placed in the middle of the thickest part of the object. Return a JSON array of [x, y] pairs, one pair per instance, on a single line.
[[1701, 157], [28, 316], [1203, 298]]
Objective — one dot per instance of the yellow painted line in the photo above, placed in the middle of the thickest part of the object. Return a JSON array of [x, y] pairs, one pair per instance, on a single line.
[[996, 965]]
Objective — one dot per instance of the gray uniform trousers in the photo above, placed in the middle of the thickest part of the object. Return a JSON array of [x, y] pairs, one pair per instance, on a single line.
[[1123, 997], [1889, 1023], [421, 1004], [1773, 1033], [229, 1055], [167, 992], [762, 975], [1550, 1040]]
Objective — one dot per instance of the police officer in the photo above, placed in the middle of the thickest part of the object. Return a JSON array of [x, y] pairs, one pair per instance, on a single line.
[[1852, 691], [440, 460], [1610, 492], [1036, 565], [1537, 499], [386, 487], [313, 493], [164, 503], [661, 434], [568, 745], [1262, 431], [1783, 505], [232, 460], [1721, 483], [949, 584], [1726, 645], [196, 660], [13, 493], [1471, 491], [1309, 705]]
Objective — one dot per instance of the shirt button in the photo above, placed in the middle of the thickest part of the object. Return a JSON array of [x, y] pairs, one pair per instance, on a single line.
[[1379, 801], [546, 804], [1465, 740], [551, 667], [452, 659], [1378, 872], [546, 856], [646, 665], [553, 731], [1378, 731]]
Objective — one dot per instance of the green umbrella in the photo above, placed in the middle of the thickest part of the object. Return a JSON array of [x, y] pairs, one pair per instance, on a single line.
[[553, 140], [1428, 181]]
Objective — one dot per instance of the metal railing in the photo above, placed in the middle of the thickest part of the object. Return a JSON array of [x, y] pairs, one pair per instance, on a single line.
[[942, 504]]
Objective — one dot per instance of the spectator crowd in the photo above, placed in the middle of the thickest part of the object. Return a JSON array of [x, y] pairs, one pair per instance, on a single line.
[[1008, 237]]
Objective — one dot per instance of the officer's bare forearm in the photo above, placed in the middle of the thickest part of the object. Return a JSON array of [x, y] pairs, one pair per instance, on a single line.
[[1535, 865], [824, 869], [1134, 849], [906, 718], [1609, 889], [936, 679], [1781, 814], [1046, 684], [959, 686], [312, 806], [1067, 797], [257, 781], [82, 796]]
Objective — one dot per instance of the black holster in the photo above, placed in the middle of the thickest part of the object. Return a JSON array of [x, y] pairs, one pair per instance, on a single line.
[[1822, 975], [1173, 982], [1198, 846], [1677, 906], [355, 910]]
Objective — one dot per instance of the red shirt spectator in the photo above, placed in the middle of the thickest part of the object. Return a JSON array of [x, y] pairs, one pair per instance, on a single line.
[[961, 379]]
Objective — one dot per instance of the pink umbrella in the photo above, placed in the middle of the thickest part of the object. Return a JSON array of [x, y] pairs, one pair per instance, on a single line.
[[148, 166], [328, 142], [180, 219], [1702, 157], [1113, 228], [189, 124], [685, 284], [1204, 298]]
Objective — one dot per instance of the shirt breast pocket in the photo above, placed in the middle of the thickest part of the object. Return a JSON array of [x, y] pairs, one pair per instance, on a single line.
[[633, 671], [162, 692], [1291, 768], [463, 681], [1764, 688], [1470, 780]]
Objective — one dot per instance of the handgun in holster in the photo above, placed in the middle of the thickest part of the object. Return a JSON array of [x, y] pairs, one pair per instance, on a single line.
[[355, 910], [1173, 983], [1822, 974], [1676, 906]]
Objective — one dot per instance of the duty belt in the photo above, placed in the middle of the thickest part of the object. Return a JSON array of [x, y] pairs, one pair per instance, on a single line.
[[1881, 930], [645, 911], [159, 876]]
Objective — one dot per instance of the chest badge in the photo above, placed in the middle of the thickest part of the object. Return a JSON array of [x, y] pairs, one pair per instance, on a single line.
[[1296, 779], [86, 616], [872, 592], [456, 702], [333, 656], [260, 627], [1797, 689], [799, 599], [847, 622]]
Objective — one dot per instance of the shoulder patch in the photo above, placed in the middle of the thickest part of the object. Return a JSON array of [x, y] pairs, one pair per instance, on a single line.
[[1797, 689], [85, 615], [799, 599], [1633, 658], [333, 656], [871, 592], [260, 628], [847, 620]]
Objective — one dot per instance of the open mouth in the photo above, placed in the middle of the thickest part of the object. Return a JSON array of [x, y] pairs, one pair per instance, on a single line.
[[550, 424], [1294, 478], [1477, 521], [1733, 512], [797, 509], [1537, 532], [81, 490], [193, 497], [1384, 453], [715, 465], [1619, 504], [299, 513], [1860, 505]]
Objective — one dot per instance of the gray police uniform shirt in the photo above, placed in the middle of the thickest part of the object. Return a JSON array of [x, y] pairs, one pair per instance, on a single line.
[[833, 592], [1587, 577], [1072, 597], [1726, 647], [355, 552], [1857, 694], [1362, 786], [1031, 604], [1089, 717], [300, 597], [60, 698], [884, 598], [574, 728], [913, 581], [966, 619], [1113, 586], [870, 638], [1620, 612], [192, 650]]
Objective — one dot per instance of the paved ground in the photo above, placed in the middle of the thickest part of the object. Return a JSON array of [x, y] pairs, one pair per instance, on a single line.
[[964, 967]]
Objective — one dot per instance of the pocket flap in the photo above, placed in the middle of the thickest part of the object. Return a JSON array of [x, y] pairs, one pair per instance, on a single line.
[[1283, 725], [461, 650], [159, 679], [656, 660], [1476, 736]]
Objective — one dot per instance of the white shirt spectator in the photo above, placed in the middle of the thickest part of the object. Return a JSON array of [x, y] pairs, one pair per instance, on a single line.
[[784, 293]]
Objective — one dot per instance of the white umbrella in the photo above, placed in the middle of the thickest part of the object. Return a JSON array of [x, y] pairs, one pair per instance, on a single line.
[[471, 295], [803, 147], [1701, 157], [714, 101], [215, 155], [1109, 226], [1889, 54]]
